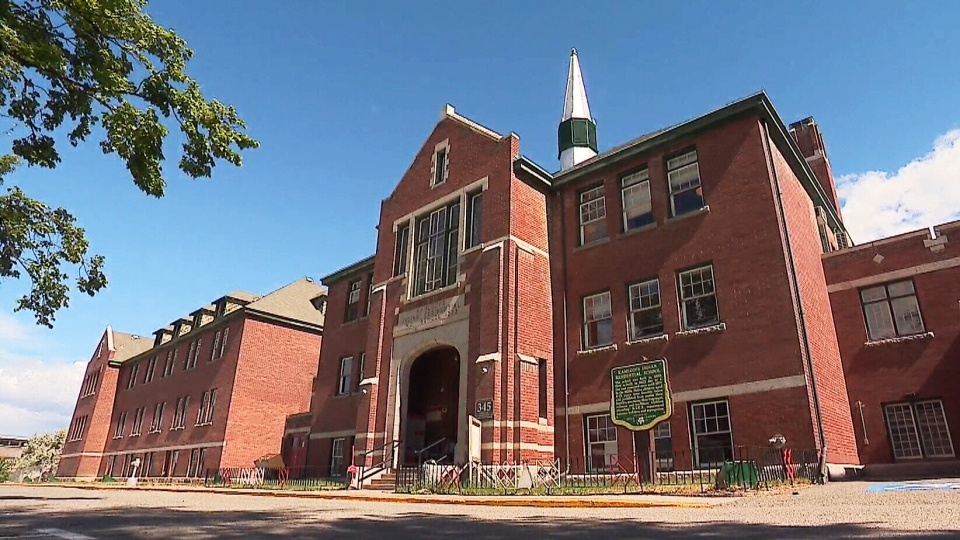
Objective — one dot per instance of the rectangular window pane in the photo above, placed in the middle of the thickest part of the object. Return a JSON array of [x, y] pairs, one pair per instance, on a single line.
[[906, 315], [597, 322], [474, 220], [712, 436], [903, 431], [400, 251], [635, 196], [934, 432], [698, 298], [601, 442], [891, 310], [646, 318], [593, 215]]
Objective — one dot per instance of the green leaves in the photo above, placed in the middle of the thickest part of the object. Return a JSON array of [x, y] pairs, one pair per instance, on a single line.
[[42, 453], [80, 67]]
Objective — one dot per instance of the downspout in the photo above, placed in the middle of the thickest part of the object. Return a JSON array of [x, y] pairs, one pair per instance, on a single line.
[[566, 346], [795, 290], [500, 246]]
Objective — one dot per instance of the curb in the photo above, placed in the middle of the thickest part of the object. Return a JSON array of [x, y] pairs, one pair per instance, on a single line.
[[507, 501]]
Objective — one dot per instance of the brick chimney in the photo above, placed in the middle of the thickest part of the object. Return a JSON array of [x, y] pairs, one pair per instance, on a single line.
[[810, 140]]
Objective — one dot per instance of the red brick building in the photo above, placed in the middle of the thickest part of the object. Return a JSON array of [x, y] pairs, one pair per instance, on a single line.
[[500, 297], [210, 390]]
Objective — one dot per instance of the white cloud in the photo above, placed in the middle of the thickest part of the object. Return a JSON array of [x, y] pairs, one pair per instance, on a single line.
[[922, 193], [37, 389]]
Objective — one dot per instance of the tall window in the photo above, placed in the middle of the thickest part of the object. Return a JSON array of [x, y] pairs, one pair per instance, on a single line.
[[474, 219], [170, 363], [593, 215], [683, 175], [646, 317], [439, 167], [90, 384], [343, 380], [219, 343], [137, 422], [197, 465], [353, 302], [918, 430], [207, 403], [360, 361], [436, 249], [157, 419], [78, 427], [663, 446], [121, 420], [366, 309], [193, 354], [401, 250], [698, 298], [597, 321], [151, 368], [542, 387], [336, 457], [712, 436], [635, 194], [179, 414], [891, 310], [601, 442], [132, 379]]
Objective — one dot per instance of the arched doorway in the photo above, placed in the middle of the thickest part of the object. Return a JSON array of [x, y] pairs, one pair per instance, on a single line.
[[433, 406]]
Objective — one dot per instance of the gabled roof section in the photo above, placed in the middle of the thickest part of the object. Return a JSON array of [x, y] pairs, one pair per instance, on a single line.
[[129, 345], [349, 270], [292, 301], [758, 103], [451, 113]]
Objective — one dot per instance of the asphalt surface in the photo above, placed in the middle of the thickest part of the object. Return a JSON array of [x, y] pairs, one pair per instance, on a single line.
[[841, 510]]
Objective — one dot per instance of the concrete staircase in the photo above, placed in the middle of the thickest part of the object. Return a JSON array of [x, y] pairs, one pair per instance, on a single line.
[[385, 481]]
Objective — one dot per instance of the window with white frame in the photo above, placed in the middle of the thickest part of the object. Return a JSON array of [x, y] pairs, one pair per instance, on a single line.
[[683, 175], [219, 343], [891, 310], [663, 446], [170, 363], [646, 317], [353, 301], [918, 430], [712, 434], [336, 457], [401, 250], [137, 422], [89, 386], [597, 321], [157, 421], [207, 403], [151, 368], [179, 414], [192, 355], [197, 465], [147, 469], [111, 463], [366, 309], [132, 379], [474, 219], [121, 420], [78, 427], [440, 166], [601, 442], [361, 359], [436, 252], [593, 215], [343, 380], [635, 197], [698, 298]]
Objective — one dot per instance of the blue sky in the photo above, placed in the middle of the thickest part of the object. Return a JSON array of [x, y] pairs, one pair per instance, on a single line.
[[342, 94]]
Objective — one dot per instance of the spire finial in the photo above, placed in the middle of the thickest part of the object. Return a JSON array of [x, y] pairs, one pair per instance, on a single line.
[[577, 135]]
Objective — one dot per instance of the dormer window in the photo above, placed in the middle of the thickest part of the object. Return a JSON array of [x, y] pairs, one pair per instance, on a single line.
[[440, 164]]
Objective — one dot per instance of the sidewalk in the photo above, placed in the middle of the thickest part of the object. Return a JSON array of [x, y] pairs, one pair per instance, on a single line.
[[567, 501]]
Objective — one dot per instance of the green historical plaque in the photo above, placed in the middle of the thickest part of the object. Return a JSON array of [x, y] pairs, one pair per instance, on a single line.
[[640, 395]]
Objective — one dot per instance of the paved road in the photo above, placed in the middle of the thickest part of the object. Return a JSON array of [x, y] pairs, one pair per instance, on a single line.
[[844, 510]]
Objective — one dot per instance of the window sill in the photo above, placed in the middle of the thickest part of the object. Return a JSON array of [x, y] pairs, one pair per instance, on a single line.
[[434, 292], [595, 243], [631, 232], [704, 210], [651, 339], [203, 424], [471, 249], [605, 348], [132, 435], [117, 438], [721, 327], [900, 339], [152, 431], [180, 428]]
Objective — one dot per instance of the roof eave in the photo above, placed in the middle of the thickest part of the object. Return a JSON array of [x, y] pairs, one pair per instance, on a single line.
[[348, 270]]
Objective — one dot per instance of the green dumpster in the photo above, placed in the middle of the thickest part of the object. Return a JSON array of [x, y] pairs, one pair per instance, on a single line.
[[738, 473]]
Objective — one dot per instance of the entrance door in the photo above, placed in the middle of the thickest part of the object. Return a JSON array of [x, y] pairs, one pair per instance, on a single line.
[[432, 421]]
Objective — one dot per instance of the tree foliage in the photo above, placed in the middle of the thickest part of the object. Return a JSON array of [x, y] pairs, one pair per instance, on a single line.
[[42, 453], [72, 69], [6, 469]]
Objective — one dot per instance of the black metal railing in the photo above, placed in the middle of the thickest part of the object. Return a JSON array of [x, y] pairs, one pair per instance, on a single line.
[[386, 451], [296, 478], [678, 471]]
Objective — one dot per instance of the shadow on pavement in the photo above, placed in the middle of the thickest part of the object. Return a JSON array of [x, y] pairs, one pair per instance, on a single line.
[[26, 498], [165, 523]]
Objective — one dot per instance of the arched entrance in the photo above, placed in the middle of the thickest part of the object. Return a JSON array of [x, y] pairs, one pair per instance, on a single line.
[[432, 406]]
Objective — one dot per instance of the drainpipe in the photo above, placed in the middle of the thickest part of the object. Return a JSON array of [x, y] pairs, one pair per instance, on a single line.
[[500, 247], [795, 289], [566, 346]]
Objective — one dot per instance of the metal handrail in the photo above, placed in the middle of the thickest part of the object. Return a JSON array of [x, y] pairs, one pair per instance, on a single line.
[[379, 466]]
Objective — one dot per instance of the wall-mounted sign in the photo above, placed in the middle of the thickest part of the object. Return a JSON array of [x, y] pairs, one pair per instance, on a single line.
[[640, 395], [430, 315], [484, 409]]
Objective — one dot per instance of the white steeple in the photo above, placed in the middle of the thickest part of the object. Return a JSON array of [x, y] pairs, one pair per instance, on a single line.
[[577, 134]]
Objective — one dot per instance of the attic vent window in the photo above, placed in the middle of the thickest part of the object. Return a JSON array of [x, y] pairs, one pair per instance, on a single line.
[[440, 167]]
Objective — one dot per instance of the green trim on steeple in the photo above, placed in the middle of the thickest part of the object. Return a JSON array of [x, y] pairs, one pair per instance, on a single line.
[[575, 132]]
